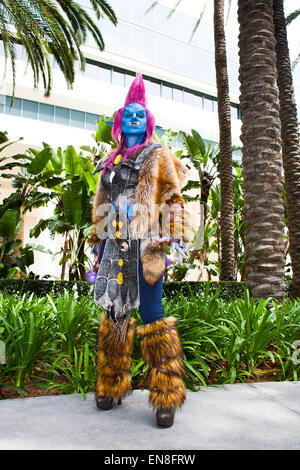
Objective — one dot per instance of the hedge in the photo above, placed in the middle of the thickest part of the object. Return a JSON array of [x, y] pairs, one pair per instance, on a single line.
[[39, 287]]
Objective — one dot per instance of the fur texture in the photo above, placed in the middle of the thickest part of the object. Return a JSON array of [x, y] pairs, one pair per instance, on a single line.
[[159, 185], [162, 351], [114, 360]]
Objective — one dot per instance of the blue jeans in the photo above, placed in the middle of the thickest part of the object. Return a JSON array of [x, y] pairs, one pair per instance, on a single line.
[[150, 296]]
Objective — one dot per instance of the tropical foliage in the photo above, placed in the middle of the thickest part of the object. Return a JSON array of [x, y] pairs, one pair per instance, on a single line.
[[50, 30], [50, 341]]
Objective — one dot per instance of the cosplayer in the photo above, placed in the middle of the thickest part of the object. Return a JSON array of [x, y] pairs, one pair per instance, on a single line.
[[137, 210]]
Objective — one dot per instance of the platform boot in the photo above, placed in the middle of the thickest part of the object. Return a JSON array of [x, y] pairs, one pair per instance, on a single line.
[[162, 351]]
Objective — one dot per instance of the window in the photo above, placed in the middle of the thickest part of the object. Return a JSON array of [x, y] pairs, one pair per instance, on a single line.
[[129, 79], [16, 109], [90, 121], [19, 51], [234, 112], [46, 112], [207, 103], [118, 78], [177, 95], [77, 118], [30, 109], [104, 74], [62, 115], [167, 92], [91, 71], [152, 88], [2, 103], [215, 106], [191, 99]]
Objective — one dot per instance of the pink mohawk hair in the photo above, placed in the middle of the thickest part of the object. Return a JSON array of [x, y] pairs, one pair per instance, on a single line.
[[136, 94]]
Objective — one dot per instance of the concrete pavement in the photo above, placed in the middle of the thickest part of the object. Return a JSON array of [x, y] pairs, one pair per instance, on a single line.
[[236, 417]]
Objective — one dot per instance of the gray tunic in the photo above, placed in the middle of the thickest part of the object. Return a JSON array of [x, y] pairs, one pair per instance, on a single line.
[[117, 284]]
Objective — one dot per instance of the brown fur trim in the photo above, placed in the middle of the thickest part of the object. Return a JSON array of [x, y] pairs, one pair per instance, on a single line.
[[155, 327], [167, 399], [114, 360], [93, 238], [162, 350], [153, 262], [113, 386]]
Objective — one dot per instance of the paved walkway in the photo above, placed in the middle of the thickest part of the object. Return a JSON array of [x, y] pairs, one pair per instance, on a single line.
[[241, 416]]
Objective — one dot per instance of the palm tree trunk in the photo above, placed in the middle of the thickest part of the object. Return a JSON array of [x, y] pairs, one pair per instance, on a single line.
[[290, 142], [262, 162], [226, 178]]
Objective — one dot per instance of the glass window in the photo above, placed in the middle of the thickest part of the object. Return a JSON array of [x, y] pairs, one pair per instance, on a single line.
[[104, 74], [167, 92], [77, 118], [19, 51], [17, 107], [62, 115], [118, 78], [128, 80], [234, 112], [30, 109], [207, 103], [90, 121], [152, 88], [215, 106], [191, 99], [46, 112], [177, 95], [91, 71], [2, 103]]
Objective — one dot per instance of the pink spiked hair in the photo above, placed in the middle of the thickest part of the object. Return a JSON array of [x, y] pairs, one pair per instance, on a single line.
[[136, 94]]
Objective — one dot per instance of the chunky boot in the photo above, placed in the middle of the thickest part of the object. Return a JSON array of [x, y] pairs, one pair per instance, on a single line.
[[113, 363], [162, 351]]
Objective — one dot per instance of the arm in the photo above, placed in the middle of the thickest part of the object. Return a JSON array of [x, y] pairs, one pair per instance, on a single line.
[[175, 224]]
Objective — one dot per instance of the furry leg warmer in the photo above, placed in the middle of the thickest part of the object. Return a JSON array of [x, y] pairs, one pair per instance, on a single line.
[[162, 350], [114, 360]]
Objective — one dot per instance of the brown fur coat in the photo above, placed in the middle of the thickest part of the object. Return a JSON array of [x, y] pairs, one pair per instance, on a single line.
[[161, 178]]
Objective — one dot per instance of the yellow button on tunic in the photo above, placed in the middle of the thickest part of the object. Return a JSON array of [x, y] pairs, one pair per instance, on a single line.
[[117, 159]]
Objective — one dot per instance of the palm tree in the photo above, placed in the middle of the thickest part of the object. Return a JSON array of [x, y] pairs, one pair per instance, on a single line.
[[226, 177], [290, 142], [43, 27], [291, 17], [261, 140]]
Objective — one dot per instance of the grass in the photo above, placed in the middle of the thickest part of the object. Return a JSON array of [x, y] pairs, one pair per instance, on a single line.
[[51, 342]]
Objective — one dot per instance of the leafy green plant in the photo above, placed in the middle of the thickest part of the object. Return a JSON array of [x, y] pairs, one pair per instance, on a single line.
[[27, 331], [247, 332], [75, 323], [196, 327], [80, 372]]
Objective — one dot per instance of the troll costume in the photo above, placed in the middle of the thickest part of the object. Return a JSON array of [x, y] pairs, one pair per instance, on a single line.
[[138, 208]]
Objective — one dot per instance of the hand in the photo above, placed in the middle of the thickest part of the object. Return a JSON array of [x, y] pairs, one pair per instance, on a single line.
[[175, 246]]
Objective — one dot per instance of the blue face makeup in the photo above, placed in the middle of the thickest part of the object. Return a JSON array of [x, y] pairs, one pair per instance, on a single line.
[[134, 124]]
